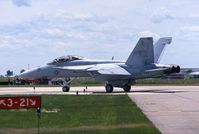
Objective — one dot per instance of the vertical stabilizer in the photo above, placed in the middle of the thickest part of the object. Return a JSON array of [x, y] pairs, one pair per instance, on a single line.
[[159, 47], [142, 54]]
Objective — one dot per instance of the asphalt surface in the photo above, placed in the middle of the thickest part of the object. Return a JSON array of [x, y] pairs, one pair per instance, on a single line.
[[172, 109]]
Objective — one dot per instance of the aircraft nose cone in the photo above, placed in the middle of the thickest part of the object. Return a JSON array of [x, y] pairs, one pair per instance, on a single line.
[[36, 73], [27, 74]]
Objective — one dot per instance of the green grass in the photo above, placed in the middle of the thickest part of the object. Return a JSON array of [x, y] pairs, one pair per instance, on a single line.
[[80, 114]]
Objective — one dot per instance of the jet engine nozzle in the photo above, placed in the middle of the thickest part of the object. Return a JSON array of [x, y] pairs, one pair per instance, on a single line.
[[175, 69]]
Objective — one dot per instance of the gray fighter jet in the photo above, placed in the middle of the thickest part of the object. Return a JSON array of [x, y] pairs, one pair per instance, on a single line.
[[142, 63]]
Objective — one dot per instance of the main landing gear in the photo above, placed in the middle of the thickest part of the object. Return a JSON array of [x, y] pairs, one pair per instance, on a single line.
[[127, 88], [109, 88]]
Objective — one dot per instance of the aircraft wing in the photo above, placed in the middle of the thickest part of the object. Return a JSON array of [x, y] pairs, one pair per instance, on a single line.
[[102, 69], [109, 69]]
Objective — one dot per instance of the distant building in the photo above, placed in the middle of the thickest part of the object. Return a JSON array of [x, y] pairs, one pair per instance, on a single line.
[[180, 75], [194, 75]]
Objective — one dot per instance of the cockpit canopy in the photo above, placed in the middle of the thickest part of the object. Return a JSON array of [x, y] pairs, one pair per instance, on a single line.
[[67, 58]]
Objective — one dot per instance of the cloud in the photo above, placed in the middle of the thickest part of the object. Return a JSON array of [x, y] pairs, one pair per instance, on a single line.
[[194, 15], [51, 35], [191, 28], [161, 15], [60, 44], [94, 29], [21, 3], [52, 32], [55, 32], [149, 34], [12, 42]]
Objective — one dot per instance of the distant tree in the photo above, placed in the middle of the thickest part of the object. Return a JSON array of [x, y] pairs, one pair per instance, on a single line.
[[9, 73], [22, 70]]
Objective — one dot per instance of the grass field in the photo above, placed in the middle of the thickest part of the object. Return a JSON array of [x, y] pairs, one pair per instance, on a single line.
[[89, 114]]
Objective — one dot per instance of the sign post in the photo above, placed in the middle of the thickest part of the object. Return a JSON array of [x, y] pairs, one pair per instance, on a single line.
[[38, 110], [22, 102]]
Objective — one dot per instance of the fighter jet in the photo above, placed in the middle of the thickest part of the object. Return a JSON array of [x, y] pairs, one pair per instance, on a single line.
[[142, 63]]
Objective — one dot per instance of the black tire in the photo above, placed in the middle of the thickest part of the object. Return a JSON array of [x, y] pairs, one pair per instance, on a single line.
[[109, 88], [65, 88], [127, 88]]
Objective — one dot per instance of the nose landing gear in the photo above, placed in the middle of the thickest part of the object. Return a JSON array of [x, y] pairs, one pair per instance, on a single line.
[[66, 88], [66, 85]]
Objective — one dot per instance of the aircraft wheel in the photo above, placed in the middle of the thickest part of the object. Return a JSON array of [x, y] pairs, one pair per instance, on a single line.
[[109, 88], [127, 88], [65, 88]]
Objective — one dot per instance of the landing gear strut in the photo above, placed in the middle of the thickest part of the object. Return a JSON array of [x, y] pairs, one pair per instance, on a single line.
[[66, 85]]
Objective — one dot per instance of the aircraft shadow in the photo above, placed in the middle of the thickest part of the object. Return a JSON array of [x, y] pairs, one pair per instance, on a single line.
[[157, 91], [141, 91]]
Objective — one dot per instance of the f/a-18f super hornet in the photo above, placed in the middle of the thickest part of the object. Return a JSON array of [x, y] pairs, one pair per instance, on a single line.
[[142, 63]]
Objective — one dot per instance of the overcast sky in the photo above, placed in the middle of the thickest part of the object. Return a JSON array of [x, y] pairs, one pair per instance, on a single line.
[[37, 31]]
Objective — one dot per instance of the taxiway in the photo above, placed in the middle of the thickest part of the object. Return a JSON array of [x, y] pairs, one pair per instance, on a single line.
[[172, 109]]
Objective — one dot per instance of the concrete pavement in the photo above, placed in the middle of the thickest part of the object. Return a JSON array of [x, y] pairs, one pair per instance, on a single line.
[[172, 109]]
